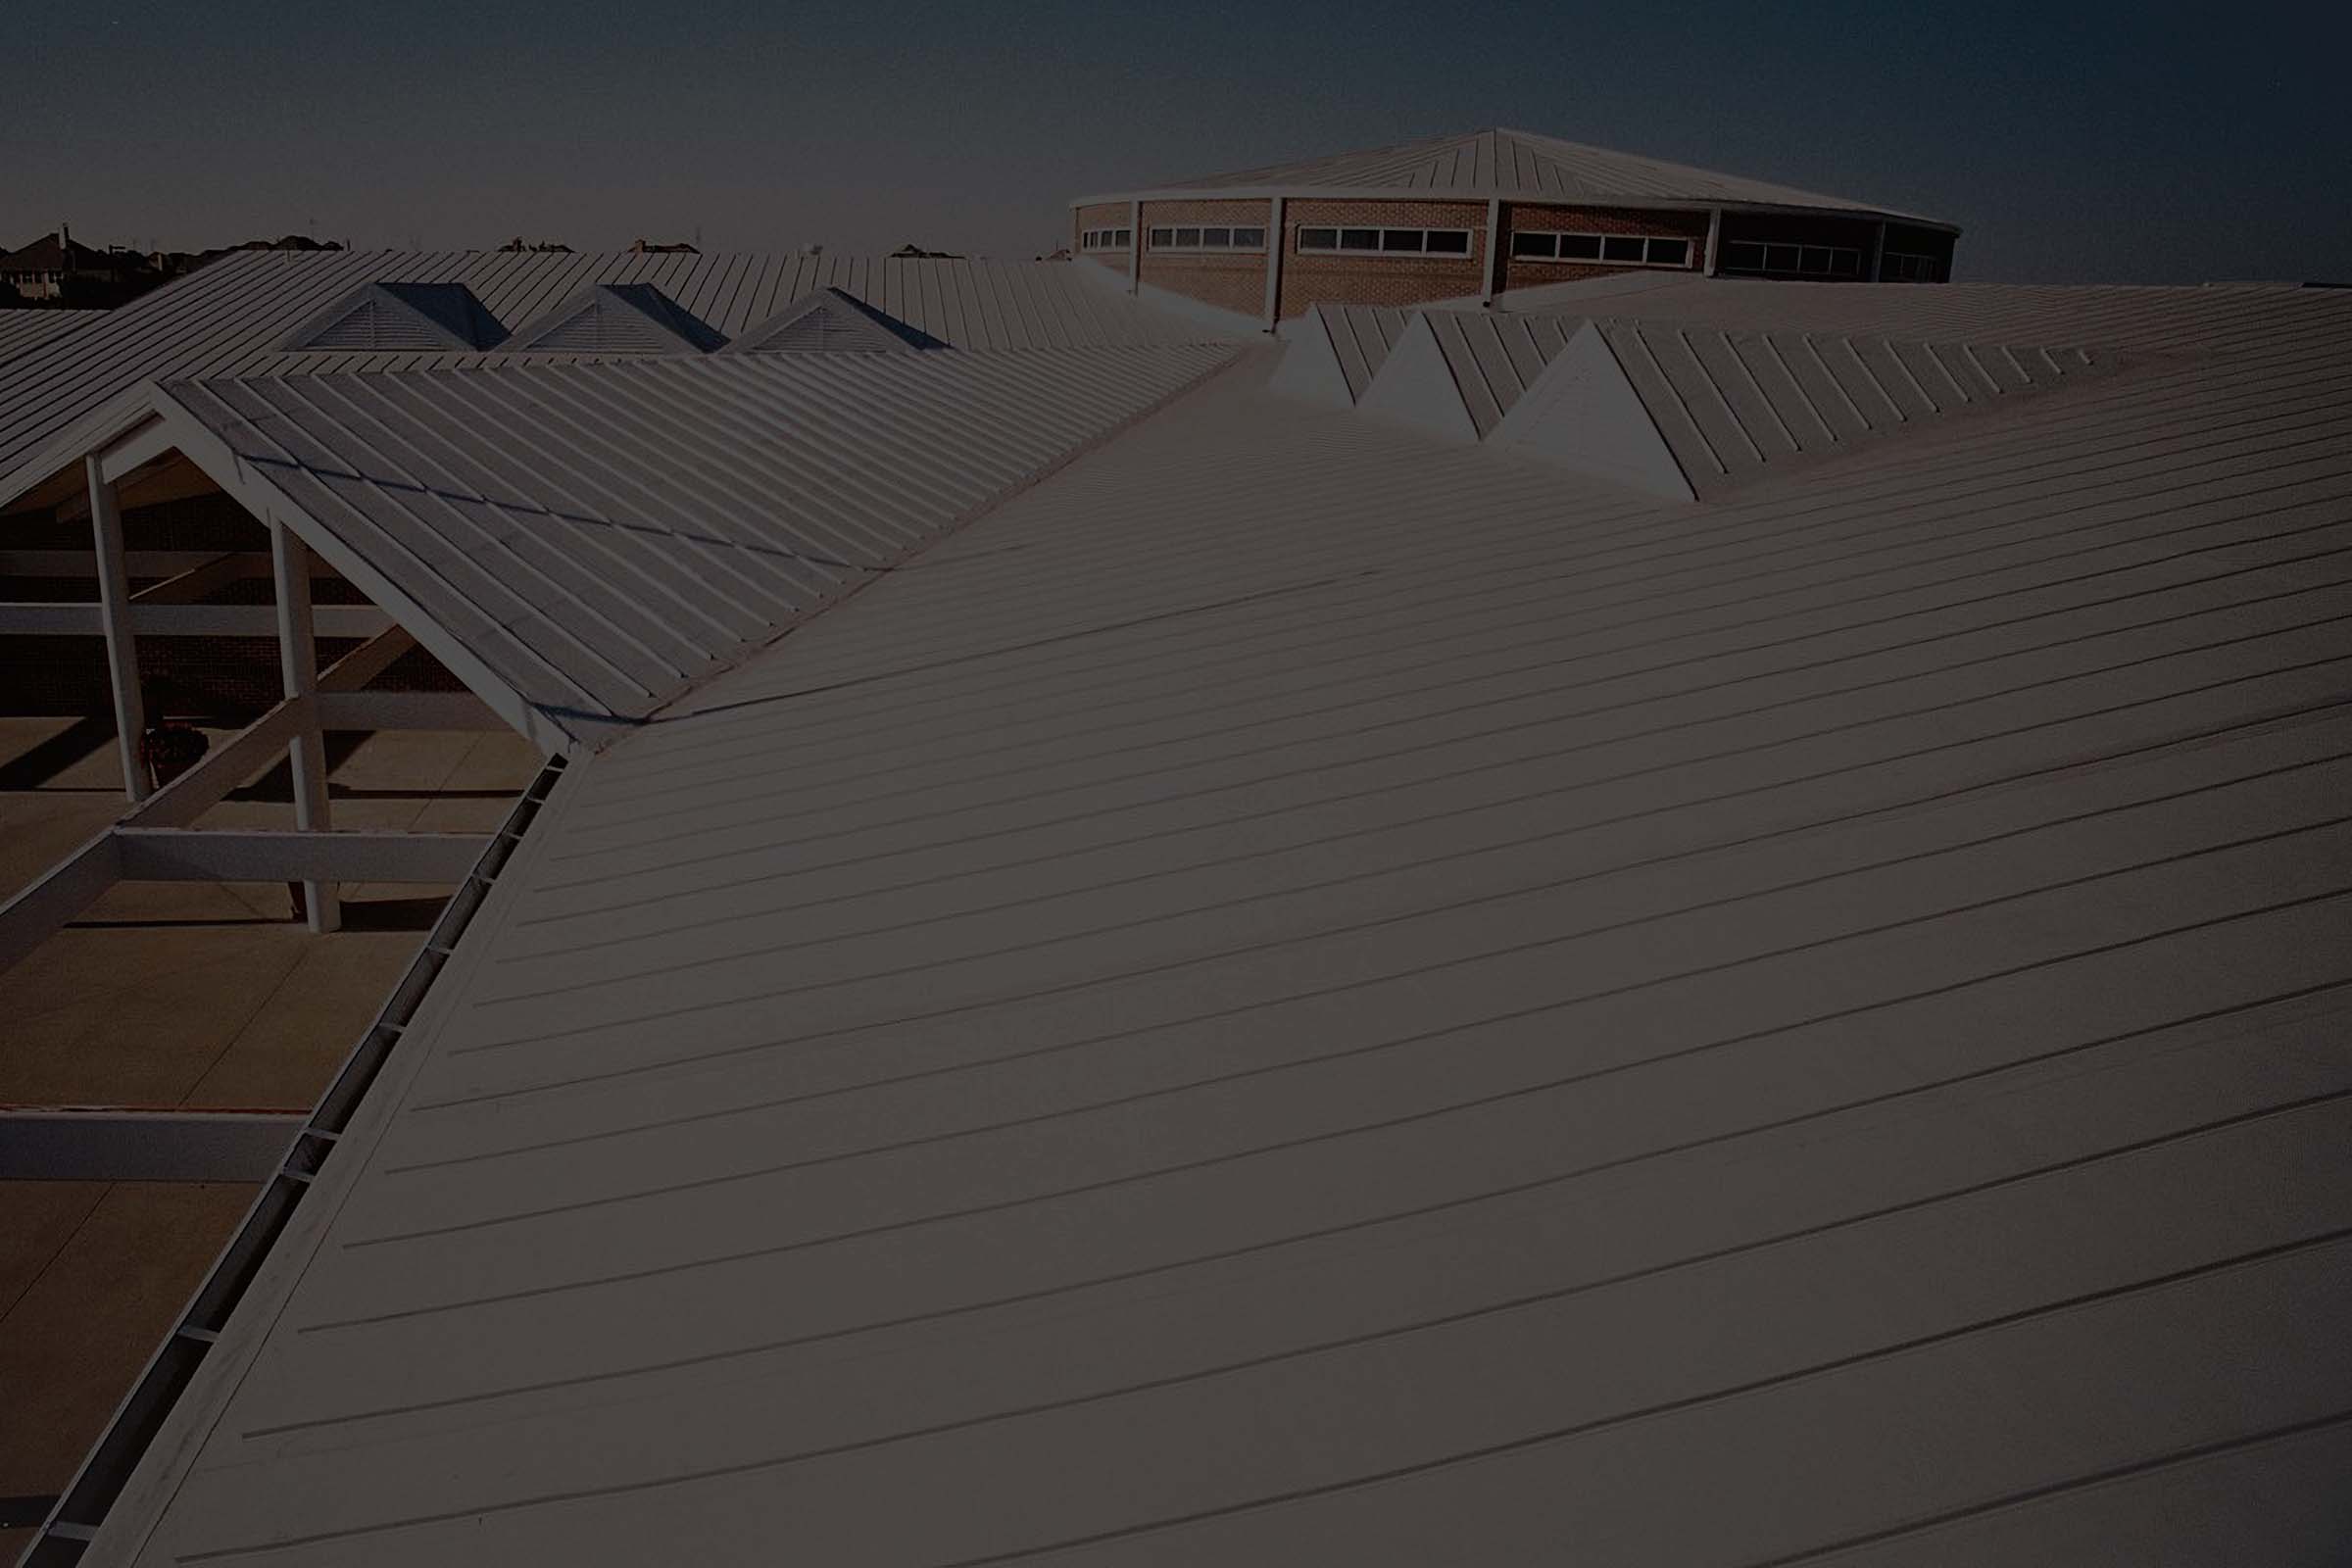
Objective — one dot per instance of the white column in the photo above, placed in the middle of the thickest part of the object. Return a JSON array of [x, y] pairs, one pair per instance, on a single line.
[[1877, 255], [1714, 237], [121, 646], [1135, 246], [1274, 265], [1492, 269], [298, 665]]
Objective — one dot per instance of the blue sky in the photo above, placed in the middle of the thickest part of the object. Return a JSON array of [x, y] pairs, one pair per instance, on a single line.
[[2102, 142]]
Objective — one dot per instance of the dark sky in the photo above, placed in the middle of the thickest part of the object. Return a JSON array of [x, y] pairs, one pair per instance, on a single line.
[[2074, 142]]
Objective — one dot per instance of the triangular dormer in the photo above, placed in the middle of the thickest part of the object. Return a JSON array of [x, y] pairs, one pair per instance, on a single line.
[[832, 320], [616, 318], [393, 318]]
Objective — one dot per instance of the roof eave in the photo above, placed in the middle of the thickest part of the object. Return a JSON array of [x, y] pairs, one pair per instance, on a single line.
[[1480, 193]]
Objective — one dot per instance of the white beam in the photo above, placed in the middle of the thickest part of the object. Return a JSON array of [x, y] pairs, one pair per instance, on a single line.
[[365, 663], [135, 449], [252, 749], [186, 587], [122, 645], [1274, 254], [1714, 239], [83, 563], [1492, 271], [278, 854], [144, 1146], [185, 620], [407, 710], [298, 665], [29, 918]]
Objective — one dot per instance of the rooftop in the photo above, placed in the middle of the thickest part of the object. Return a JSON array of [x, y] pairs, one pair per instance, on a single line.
[[1280, 985]]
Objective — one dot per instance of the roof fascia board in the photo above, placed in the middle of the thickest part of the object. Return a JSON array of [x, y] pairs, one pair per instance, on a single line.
[[261, 498], [118, 416], [1522, 198], [142, 444]]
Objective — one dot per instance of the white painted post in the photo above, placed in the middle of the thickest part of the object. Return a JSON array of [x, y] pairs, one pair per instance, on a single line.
[[1135, 247], [1274, 265], [1714, 237], [122, 645], [1878, 254], [298, 665], [1493, 262]]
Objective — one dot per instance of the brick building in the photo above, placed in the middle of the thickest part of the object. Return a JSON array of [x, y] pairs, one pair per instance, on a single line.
[[1472, 216]]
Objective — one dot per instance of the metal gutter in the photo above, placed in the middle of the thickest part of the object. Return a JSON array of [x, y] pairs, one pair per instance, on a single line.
[[73, 1521]]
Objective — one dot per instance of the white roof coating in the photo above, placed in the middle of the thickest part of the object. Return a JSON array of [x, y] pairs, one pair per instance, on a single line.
[[23, 328], [1514, 165], [232, 316], [1731, 405], [605, 537], [1303, 994]]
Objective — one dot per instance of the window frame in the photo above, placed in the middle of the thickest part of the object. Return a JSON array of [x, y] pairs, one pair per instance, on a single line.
[[1105, 239], [1379, 248], [1600, 242], [1199, 246], [1737, 258]]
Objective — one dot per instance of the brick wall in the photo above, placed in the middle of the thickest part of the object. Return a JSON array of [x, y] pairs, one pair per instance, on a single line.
[[226, 679], [1524, 271], [1230, 280], [1313, 277]]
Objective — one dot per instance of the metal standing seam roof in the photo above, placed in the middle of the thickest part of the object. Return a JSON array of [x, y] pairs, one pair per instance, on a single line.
[[1359, 337], [2154, 320], [1304, 995], [230, 318], [604, 538], [1724, 406], [22, 328], [1517, 165]]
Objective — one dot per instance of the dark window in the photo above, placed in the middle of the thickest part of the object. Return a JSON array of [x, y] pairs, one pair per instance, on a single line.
[[1122, 237], [1359, 239], [1250, 238], [1670, 252], [1401, 239], [1318, 239], [1450, 241], [1781, 257], [1743, 255], [1163, 236], [1188, 237], [1535, 245], [1620, 248], [1580, 247]]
